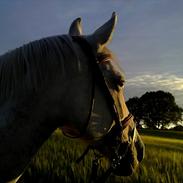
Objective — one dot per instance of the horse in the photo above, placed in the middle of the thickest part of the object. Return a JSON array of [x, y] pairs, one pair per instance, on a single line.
[[72, 82]]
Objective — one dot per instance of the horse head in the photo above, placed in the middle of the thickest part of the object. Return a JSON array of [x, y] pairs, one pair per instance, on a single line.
[[121, 144]]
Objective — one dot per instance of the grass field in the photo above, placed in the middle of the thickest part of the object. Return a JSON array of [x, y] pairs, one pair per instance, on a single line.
[[55, 162]]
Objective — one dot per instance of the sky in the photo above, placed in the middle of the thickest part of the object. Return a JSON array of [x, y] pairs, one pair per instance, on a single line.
[[147, 40]]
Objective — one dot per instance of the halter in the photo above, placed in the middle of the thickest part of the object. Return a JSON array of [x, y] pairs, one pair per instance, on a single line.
[[120, 124]]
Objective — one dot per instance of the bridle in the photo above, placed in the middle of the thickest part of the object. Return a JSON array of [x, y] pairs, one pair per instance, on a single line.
[[115, 131]]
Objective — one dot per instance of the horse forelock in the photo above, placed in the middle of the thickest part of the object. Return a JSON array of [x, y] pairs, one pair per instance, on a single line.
[[29, 67], [106, 53]]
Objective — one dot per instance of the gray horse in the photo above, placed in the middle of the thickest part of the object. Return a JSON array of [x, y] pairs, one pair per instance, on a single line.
[[54, 82]]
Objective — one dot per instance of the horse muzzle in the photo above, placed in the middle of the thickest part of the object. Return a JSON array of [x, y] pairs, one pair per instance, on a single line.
[[127, 158]]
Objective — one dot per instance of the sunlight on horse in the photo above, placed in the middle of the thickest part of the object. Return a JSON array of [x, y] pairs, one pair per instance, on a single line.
[[72, 82]]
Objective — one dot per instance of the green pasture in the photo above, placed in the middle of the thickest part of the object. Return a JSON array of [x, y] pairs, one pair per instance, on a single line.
[[55, 162]]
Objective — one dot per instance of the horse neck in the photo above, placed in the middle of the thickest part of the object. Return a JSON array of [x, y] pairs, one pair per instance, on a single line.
[[20, 139], [29, 123]]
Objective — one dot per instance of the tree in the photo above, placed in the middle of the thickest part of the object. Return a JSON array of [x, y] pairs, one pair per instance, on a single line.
[[133, 105], [155, 109], [159, 109]]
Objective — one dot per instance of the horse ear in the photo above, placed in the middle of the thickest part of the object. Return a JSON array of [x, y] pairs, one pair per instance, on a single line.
[[103, 35], [76, 28]]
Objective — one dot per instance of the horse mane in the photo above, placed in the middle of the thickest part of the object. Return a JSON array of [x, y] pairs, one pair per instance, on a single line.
[[28, 67]]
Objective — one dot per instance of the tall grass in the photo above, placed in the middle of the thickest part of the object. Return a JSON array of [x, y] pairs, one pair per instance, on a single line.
[[55, 162]]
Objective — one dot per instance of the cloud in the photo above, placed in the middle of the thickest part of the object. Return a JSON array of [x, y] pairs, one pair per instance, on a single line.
[[171, 82], [148, 82]]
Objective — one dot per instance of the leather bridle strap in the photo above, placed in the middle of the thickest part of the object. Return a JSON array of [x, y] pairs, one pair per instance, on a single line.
[[126, 121]]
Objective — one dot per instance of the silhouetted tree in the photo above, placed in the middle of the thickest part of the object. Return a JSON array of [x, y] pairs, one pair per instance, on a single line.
[[159, 109], [155, 109], [134, 108]]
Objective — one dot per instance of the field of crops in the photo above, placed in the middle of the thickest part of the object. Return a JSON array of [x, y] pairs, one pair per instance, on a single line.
[[55, 162]]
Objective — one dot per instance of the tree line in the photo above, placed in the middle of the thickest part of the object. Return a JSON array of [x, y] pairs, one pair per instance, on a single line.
[[155, 109]]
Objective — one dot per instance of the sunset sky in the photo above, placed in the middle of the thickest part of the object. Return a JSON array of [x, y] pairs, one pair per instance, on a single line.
[[148, 38]]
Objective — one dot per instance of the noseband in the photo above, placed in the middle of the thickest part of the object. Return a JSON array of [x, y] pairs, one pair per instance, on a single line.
[[115, 131]]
